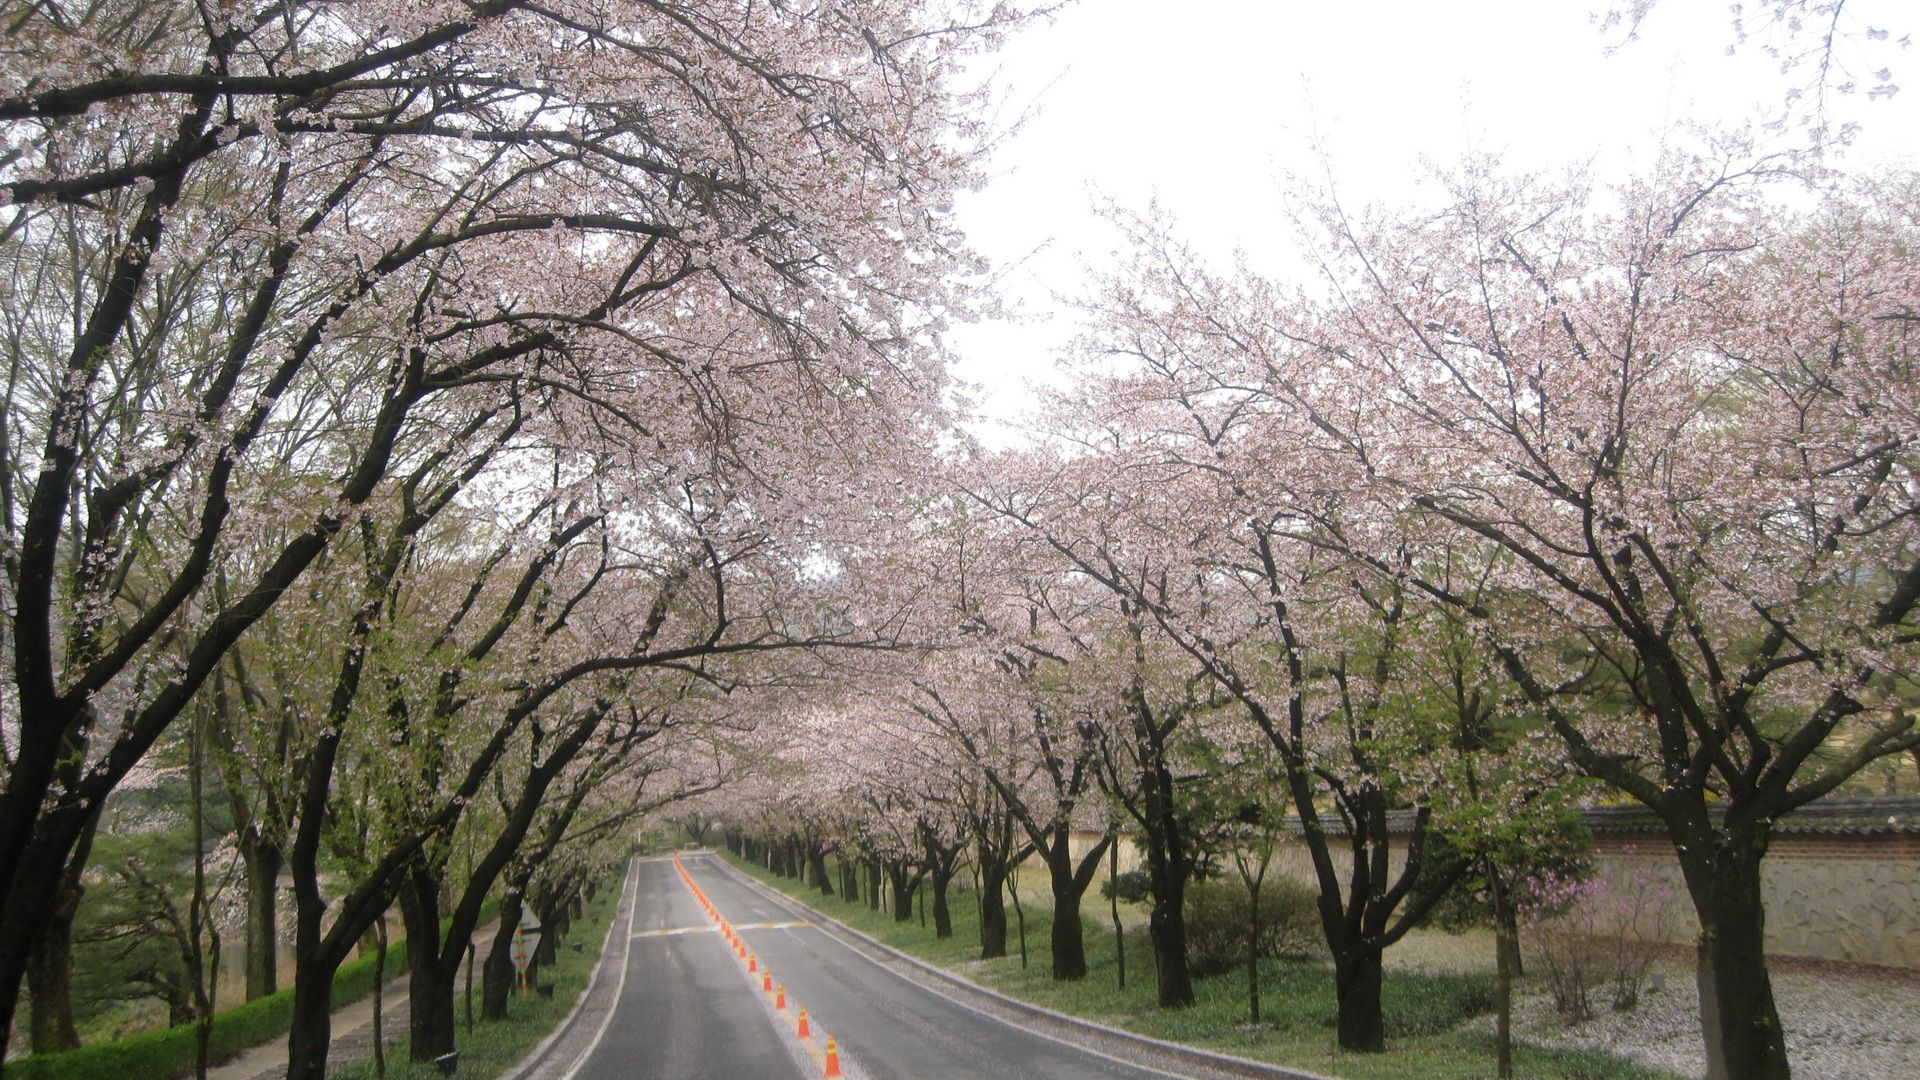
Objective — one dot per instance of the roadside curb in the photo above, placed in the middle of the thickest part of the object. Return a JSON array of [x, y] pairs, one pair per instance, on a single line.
[[1211, 1060], [629, 896]]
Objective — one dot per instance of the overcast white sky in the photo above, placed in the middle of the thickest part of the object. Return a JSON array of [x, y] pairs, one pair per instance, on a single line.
[[1206, 104]]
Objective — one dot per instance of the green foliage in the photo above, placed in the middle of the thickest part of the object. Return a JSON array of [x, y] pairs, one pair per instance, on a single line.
[[130, 933], [1220, 915], [1431, 1003], [1134, 887], [1549, 842]]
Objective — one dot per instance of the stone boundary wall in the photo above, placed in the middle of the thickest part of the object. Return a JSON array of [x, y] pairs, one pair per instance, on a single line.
[[1849, 897]]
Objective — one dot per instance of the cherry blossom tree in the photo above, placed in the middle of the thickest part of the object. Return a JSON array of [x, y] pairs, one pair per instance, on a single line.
[[233, 230], [1825, 48], [1050, 782], [1676, 420], [1175, 499]]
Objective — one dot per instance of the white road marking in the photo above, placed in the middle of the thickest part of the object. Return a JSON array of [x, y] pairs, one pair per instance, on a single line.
[[620, 988], [715, 929]]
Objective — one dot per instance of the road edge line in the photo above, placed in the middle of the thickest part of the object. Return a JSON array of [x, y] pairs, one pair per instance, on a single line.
[[1210, 1058], [630, 896]]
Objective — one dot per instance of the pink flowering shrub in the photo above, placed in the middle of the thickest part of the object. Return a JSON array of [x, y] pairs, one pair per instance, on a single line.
[[1591, 938]]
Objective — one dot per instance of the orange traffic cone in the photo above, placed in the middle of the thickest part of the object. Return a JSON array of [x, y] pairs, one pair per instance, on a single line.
[[833, 1058], [766, 982], [753, 963], [804, 1031], [780, 1000]]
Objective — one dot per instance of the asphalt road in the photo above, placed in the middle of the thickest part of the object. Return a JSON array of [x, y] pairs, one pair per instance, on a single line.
[[685, 1010], [688, 1011]]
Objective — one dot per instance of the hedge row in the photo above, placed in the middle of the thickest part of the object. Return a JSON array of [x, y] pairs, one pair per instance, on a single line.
[[157, 1055]]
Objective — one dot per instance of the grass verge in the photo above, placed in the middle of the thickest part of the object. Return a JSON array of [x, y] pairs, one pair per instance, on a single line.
[[493, 1047], [1425, 1012]]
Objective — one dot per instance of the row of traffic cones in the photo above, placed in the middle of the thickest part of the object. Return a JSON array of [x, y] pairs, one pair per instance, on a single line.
[[801, 1026]]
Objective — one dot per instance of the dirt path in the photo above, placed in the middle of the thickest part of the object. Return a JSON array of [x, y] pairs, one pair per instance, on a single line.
[[352, 1028]]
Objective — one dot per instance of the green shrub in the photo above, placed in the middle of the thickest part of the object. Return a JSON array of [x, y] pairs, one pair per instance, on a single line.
[[1133, 886], [156, 1055], [1428, 1003], [1219, 914]]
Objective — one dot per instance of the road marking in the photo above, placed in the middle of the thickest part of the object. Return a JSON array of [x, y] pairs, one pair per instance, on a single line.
[[714, 929], [788, 1016], [782, 899], [620, 988]]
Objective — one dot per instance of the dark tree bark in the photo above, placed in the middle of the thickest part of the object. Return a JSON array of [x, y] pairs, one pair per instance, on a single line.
[[430, 1014], [993, 911], [994, 831], [1069, 881], [50, 965], [498, 975], [1722, 873], [50, 981], [904, 879], [817, 859], [941, 862], [262, 859], [942, 916], [1153, 803], [1356, 985]]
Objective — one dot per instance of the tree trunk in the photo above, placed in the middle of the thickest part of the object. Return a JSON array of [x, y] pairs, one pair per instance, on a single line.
[[263, 859], [50, 964], [942, 918], [497, 977], [1506, 954], [552, 925], [820, 876], [993, 911], [1113, 905], [1506, 951], [904, 886], [1737, 1014], [849, 882], [430, 1013], [379, 1002], [312, 1026], [1068, 940], [1356, 987], [1253, 963], [1168, 863], [1069, 884], [873, 885], [1167, 927], [50, 982], [1167, 924]]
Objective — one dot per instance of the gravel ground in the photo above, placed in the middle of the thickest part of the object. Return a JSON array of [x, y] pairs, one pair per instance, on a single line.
[[1843, 1022]]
